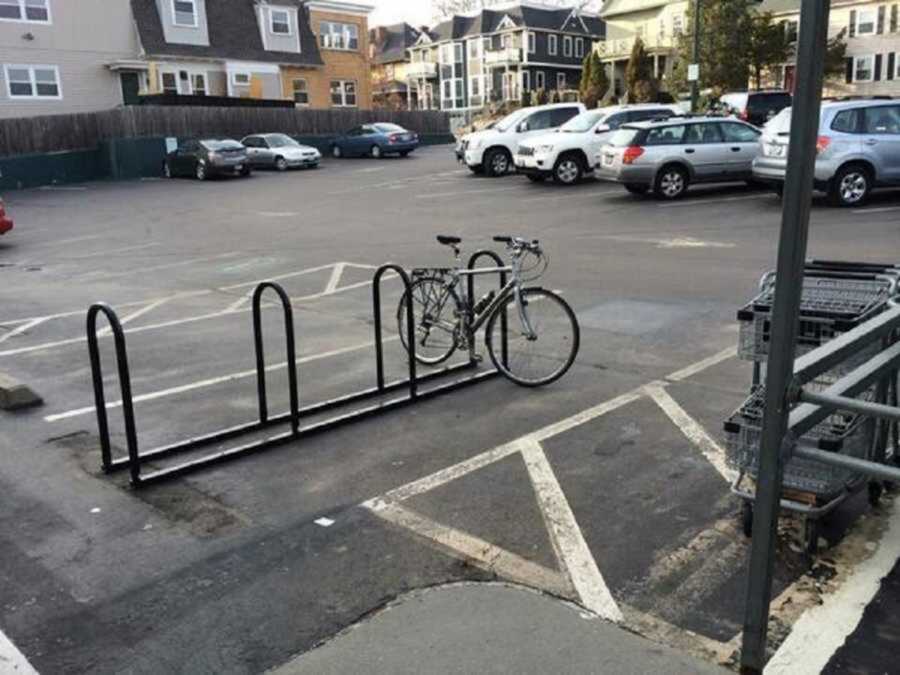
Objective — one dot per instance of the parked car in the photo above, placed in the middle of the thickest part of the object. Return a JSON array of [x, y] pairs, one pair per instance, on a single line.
[[667, 157], [756, 107], [280, 151], [6, 223], [491, 151], [375, 140], [568, 154], [858, 149], [205, 158]]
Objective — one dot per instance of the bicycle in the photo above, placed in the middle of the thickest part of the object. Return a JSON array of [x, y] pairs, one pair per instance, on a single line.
[[543, 331]]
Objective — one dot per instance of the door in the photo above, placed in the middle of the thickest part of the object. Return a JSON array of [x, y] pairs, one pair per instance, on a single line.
[[534, 125], [184, 158], [705, 150], [743, 146], [131, 88], [881, 141]]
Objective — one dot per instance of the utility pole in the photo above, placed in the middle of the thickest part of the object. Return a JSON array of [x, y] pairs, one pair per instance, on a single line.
[[695, 56]]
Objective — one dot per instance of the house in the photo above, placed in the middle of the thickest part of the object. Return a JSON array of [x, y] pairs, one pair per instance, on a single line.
[[60, 56], [313, 53], [872, 33], [658, 23], [388, 46], [464, 63]]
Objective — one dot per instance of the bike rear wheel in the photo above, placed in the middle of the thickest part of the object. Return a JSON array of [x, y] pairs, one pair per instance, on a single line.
[[436, 311], [544, 359]]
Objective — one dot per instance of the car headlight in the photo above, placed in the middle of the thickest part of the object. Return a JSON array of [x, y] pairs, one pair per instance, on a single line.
[[544, 148]]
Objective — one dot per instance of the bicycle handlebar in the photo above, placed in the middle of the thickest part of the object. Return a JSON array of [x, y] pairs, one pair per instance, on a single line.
[[519, 243]]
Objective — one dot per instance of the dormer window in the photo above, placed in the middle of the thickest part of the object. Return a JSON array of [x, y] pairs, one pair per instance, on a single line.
[[184, 13], [31, 11], [279, 22]]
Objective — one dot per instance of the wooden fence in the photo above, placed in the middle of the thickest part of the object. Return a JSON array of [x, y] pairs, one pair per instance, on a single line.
[[54, 133]]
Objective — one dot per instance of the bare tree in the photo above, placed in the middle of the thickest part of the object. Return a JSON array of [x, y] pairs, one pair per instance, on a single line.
[[446, 8]]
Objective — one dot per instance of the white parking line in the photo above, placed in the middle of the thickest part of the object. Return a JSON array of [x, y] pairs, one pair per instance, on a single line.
[[21, 329], [699, 201], [12, 661], [155, 268], [433, 195], [884, 209], [700, 366], [111, 251], [125, 320]]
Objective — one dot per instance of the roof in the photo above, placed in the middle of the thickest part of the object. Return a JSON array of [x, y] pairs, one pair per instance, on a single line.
[[524, 16], [233, 34], [779, 6], [617, 7], [391, 42]]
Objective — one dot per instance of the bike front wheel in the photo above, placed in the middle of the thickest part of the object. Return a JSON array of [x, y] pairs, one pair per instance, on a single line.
[[534, 361], [436, 310]]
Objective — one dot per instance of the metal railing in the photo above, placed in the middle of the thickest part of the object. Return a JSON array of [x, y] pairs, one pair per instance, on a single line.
[[416, 386]]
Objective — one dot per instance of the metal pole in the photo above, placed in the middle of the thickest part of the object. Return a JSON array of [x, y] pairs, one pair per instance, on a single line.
[[871, 469], [788, 292], [695, 54]]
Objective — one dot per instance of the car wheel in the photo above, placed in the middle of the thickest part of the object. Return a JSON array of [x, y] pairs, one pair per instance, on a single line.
[[496, 163], [167, 170], [637, 188], [375, 152], [850, 186], [405, 153], [568, 170], [477, 170], [200, 171], [671, 182], [245, 171], [536, 177], [336, 152], [281, 164]]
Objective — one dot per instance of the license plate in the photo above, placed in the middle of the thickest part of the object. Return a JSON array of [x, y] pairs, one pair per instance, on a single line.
[[238, 167], [776, 150]]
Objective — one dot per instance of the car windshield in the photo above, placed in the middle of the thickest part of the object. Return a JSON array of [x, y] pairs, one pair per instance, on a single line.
[[623, 137], [221, 145], [281, 141], [583, 122], [389, 128], [510, 120]]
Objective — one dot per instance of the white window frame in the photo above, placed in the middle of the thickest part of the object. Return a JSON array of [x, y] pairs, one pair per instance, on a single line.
[[162, 83], [241, 73], [23, 16], [343, 87], [561, 82], [192, 79], [526, 80], [677, 25], [856, 61], [196, 23], [344, 31], [579, 48], [540, 79], [294, 82], [567, 46], [287, 15], [32, 68], [532, 42], [873, 13], [474, 49], [553, 45]]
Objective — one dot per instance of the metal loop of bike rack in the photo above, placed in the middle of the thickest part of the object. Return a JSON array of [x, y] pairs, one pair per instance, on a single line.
[[504, 328], [135, 460]]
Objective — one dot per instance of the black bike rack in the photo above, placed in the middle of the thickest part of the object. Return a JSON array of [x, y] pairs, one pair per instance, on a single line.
[[134, 460]]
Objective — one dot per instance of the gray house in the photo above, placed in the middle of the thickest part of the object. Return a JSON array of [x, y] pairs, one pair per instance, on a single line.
[[66, 56]]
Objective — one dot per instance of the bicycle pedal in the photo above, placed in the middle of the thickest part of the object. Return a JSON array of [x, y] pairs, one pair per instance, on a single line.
[[477, 358]]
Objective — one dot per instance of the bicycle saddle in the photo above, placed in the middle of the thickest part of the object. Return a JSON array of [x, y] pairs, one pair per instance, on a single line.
[[448, 241]]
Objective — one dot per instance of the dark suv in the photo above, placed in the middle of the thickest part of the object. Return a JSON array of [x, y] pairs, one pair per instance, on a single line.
[[756, 107]]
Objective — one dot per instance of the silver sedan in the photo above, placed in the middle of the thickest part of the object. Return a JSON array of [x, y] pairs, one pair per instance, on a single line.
[[280, 151]]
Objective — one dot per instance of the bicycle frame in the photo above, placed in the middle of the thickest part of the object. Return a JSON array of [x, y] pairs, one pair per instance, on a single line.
[[512, 288]]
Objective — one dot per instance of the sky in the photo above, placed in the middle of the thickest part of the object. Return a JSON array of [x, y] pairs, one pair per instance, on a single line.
[[415, 12]]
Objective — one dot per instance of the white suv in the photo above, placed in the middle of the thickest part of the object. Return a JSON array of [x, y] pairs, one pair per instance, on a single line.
[[490, 151], [568, 154]]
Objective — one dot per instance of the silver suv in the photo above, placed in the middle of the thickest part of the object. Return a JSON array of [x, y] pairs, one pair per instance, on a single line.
[[858, 149], [669, 156]]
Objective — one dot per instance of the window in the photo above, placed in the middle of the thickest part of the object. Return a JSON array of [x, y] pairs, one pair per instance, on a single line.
[[300, 91], [34, 11], [739, 133], [559, 116], [540, 120], [864, 68], [343, 93], [662, 29], [240, 79], [561, 81], [184, 13], [169, 83], [33, 82], [279, 22], [615, 121], [553, 45], [677, 25], [475, 86], [474, 50], [703, 133], [847, 121], [791, 29], [579, 48], [540, 79], [339, 35], [665, 135], [567, 46], [198, 84], [532, 43], [866, 20], [882, 120], [526, 80]]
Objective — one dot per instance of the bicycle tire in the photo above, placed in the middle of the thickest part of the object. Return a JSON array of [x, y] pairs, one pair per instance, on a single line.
[[520, 345], [424, 288]]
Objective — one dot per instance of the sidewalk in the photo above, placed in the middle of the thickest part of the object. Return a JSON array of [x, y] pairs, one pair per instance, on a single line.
[[490, 628]]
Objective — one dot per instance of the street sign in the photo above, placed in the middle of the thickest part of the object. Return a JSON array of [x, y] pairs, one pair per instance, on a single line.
[[694, 72]]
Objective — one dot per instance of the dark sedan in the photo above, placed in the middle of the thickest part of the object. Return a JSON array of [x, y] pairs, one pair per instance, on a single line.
[[375, 140], [208, 157]]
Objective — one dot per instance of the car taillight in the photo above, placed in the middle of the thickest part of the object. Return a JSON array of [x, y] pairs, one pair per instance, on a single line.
[[632, 152], [393, 138], [822, 144], [744, 114], [2, 209]]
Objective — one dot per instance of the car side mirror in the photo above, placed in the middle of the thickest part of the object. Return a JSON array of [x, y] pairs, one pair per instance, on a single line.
[[522, 127], [602, 129]]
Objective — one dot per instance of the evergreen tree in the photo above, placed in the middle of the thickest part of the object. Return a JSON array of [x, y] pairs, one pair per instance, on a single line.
[[767, 46], [586, 74], [639, 81], [725, 45]]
